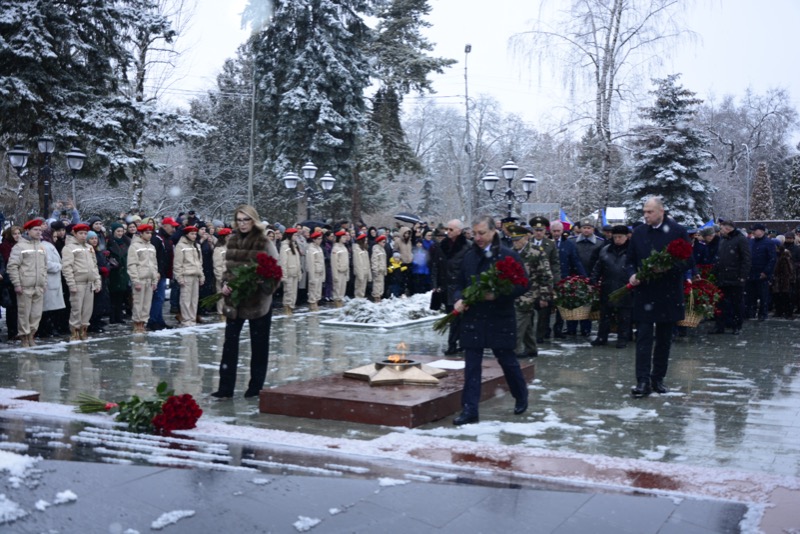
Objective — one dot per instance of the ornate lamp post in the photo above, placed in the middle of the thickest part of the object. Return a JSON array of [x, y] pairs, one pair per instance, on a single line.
[[509, 171], [290, 180], [18, 157]]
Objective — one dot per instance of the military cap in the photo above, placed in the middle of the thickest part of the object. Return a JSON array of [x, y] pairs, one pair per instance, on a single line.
[[518, 232], [539, 222], [508, 220], [586, 222]]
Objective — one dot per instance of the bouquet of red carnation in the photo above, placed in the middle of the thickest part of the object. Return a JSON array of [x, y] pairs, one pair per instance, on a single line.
[[702, 298], [160, 415], [656, 264], [248, 279], [498, 279]]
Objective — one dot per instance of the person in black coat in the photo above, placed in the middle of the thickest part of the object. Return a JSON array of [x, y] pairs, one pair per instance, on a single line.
[[763, 254], [488, 324], [657, 303], [731, 272], [610, 272], [447, 257]]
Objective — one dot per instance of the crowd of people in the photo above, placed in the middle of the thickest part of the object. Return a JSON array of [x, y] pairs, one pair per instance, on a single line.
[[64, 276]]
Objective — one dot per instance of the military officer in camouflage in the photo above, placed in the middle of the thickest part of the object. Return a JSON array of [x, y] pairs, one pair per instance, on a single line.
[[540, 240], [538, 296]]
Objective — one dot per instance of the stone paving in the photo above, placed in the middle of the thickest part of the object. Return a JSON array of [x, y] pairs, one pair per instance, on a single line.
[[734, 405]]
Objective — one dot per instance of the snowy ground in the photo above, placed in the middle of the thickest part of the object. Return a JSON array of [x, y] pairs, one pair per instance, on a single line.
[[728, 430]]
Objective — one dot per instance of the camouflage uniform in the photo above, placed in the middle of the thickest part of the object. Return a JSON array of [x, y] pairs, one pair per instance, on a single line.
[[541, 278]]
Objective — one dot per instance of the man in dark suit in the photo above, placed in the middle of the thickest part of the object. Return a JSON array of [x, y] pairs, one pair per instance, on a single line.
[[488, 324], [658, 303], [548, 248]]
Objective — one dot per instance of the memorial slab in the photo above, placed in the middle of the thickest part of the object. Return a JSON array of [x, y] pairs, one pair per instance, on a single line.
[[340, 398]]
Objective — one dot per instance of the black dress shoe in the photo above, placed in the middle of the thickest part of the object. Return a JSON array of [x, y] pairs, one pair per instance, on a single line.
[[451, 351], [658, 386], [222, 394], [521, 407], [598, 342], [737, 331], [465, 419], [559, 335], [622, 344], [251, 393], [717, 331], [642, 389]]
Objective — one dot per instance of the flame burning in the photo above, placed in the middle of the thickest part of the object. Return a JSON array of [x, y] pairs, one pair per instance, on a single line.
[[399, 358]]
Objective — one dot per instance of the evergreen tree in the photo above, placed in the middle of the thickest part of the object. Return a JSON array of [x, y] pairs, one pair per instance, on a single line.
[[669, 156], [762, 207], [312, 71], [793, 192]]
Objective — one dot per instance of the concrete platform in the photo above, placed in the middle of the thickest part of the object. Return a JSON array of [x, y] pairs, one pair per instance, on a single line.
[[345, 399]]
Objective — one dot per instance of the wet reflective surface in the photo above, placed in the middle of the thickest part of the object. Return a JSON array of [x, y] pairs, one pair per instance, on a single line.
[[735, 400]]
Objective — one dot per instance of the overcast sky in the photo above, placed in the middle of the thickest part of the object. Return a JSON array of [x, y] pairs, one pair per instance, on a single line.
[[742, 43]]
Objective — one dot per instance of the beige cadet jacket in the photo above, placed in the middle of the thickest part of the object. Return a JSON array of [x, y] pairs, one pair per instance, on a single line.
[[79, 264], [290, 261], [361, 267], [142, 262], [315, 261], [188, 261], [378, 260], [27, 264], [218, 261], [340, 260]]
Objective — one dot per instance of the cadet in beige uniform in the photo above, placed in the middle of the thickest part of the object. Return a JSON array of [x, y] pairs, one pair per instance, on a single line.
[[340, 267], [27, 270], [218, 261], [361, 267], [291, 264], [143, 272], [315, 268], [79, 266], [187, 269], [378, 264]]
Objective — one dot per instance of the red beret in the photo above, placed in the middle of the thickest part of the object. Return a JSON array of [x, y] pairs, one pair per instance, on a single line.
[[81, 228], [361, 236], [33, 223], [224, 231], [340, 233], [290, 231], [315, 235], [189, 229], [170, 221], [144, 228], [380, 238]]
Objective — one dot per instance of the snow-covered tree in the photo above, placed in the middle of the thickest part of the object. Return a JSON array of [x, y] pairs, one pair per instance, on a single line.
[[762, 207], [312, 71], [792, 205], [670, 155]]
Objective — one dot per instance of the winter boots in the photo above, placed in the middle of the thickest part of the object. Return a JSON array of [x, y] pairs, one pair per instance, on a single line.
[[313, 306], [84, 332], [74, 334], [287, 310]]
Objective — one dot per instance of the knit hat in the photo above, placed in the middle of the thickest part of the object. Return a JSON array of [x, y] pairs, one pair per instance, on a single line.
[[90, 234], [115, 225]]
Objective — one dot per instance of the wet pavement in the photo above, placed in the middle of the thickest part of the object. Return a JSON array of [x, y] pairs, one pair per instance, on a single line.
[[734, 404]]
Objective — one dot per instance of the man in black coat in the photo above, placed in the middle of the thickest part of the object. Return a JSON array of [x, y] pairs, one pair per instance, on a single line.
[[731, 270], [488, 324], [611, 273], [658, 303], [445, 274]]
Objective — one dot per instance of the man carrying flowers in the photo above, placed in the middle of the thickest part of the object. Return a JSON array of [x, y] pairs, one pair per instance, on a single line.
[[487, 317], [659, 256]]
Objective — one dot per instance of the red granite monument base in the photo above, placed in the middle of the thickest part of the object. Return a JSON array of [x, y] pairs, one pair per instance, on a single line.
[[345, 399]]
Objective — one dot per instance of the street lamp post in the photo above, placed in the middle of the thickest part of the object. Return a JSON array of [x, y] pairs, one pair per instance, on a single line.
[[290, 180], [509, 171], [18, 157]]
